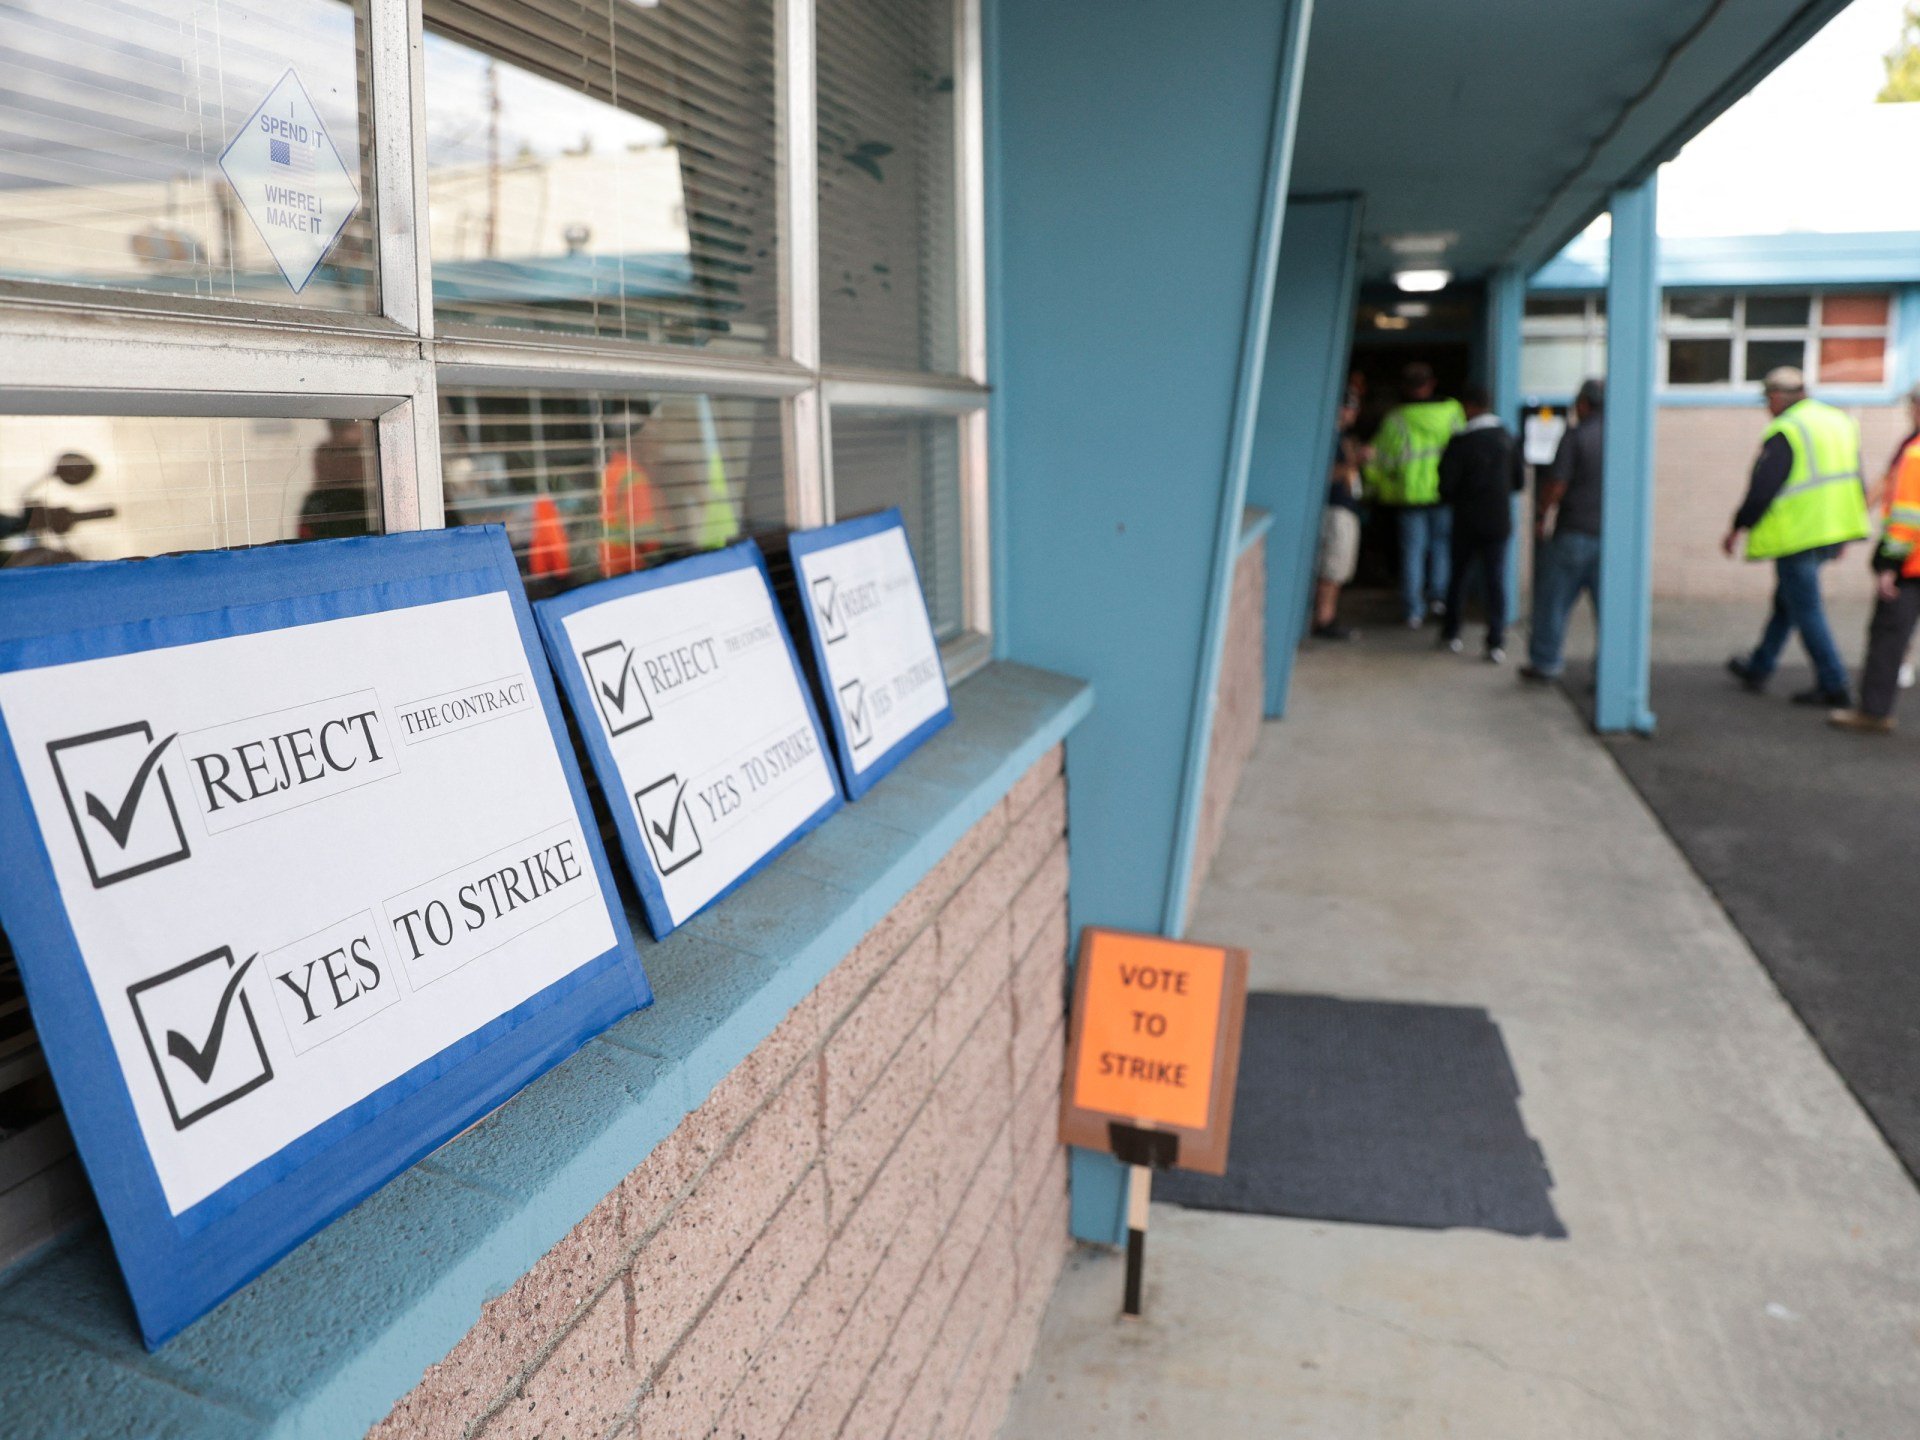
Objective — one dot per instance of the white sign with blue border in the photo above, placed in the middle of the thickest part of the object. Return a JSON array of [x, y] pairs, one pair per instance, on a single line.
[[873, 642], [302, 880], [697, 720], [291, 181]]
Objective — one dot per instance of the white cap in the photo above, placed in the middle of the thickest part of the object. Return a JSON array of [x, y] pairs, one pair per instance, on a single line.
[[1784, 378]]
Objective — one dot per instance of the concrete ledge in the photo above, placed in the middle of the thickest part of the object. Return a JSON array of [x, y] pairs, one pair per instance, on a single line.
[[328, 1340]]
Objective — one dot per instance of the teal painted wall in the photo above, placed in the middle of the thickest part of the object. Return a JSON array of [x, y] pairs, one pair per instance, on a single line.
[[1307, 348], [1131, 155]]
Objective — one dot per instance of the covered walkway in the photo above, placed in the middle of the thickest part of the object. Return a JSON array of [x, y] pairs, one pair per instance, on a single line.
[[1741, 1242]]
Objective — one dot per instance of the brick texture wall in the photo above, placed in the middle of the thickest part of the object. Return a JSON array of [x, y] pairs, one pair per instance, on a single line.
[[858, 1231], [1240, 701], [1702, 460]]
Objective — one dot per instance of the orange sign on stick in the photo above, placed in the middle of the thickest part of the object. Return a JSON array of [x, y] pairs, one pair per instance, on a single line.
[[1155, 1043]]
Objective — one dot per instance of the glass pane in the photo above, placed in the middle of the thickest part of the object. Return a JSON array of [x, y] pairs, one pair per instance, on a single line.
[[1699, 362], [1542, 306], [888, 226], [1853, 360], [591, 484], [194, 147], [1701, 305], [1552, 366], [912, 461], [103, 487], [605, 168], [1854, 310], [1766, 312], [1765, 355]]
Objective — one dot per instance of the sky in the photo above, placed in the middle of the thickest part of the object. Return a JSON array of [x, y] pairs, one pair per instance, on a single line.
[[1808, 149]]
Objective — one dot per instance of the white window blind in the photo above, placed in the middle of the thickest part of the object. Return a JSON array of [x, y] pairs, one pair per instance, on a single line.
[[888, 219], [606, 168]]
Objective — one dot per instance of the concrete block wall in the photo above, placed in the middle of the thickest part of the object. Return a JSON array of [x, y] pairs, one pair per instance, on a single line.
[[1702, 459], [1239, 705], [857, 1233]]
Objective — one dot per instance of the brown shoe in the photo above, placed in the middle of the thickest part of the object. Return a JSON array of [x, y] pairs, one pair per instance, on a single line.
[[1860, 722]]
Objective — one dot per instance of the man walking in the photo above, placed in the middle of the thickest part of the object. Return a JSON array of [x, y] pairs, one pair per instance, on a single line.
[[1405, 478], [1805, 500], [1896, 565], [1480, 472], [1566, 522], [1339, 529]]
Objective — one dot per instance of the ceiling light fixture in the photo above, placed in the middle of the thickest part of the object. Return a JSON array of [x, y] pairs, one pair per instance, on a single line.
[[1419, 282]]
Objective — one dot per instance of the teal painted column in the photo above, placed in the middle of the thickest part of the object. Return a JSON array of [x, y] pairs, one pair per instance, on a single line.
[[1137, 157], [1308, 344], [1506, 304], [1626, 539]]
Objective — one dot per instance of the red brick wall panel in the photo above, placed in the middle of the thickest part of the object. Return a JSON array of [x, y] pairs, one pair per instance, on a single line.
[[853, 1228]]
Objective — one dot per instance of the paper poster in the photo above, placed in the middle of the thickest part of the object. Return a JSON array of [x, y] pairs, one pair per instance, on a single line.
[[698, 721], [1540, 436], [878, 660], [290, 180], [296, 893]]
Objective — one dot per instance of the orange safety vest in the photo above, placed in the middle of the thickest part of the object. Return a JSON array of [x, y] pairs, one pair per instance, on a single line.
[[630, 530], [1902, 535]]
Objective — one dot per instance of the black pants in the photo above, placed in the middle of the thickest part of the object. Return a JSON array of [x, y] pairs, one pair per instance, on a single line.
[[1488, 554], [1887, 639]]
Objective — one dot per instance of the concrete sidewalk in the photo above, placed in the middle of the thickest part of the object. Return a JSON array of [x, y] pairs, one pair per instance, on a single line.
[[1743, 1247]]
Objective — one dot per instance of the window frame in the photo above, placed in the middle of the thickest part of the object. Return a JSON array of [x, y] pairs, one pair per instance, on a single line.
[[77, 350], [82, 351], [1589, 327], [1739, 332]]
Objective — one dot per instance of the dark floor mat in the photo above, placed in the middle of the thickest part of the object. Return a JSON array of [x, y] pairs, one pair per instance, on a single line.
[[1379, 1113], [1806, 835]]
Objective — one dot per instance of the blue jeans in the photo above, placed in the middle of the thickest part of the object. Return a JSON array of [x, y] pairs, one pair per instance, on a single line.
[[1426, 541], [1564, 565], [1797, 606]]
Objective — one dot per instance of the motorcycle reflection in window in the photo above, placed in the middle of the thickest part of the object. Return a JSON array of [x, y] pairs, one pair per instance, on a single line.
[[33, 536]]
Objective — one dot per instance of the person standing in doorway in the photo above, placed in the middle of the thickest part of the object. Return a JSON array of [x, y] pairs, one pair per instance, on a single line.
[[1805, 500], [1405, 478], [1896, 565], [1480, 472], [1339, 528], [1566, 523]]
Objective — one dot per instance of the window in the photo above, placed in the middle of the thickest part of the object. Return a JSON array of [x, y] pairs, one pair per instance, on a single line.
[[1732, 339], [1723, 339], [616, 282], [115, 127], [613, 174], [594, 484], [105, 487], [872, 452], [887, 196], [1563, 341]]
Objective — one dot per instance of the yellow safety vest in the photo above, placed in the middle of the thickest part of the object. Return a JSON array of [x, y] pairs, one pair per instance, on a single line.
[[1406, 453], [1823, 501]]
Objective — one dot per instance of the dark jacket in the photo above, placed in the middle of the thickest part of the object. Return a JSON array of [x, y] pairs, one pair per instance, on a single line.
[[1480, 471]]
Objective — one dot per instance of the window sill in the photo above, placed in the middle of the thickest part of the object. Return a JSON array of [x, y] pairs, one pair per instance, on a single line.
[[332, 1336]]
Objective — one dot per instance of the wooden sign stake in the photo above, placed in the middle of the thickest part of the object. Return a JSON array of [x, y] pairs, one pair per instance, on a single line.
[[1152, 1055], [1139, 1198], [1144, 1152]]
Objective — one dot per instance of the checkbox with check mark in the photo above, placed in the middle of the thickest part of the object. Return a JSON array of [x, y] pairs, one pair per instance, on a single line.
[[667, 823], [201, 1034], [614, 679], [853, 705], [826, 601], [119, 801]]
